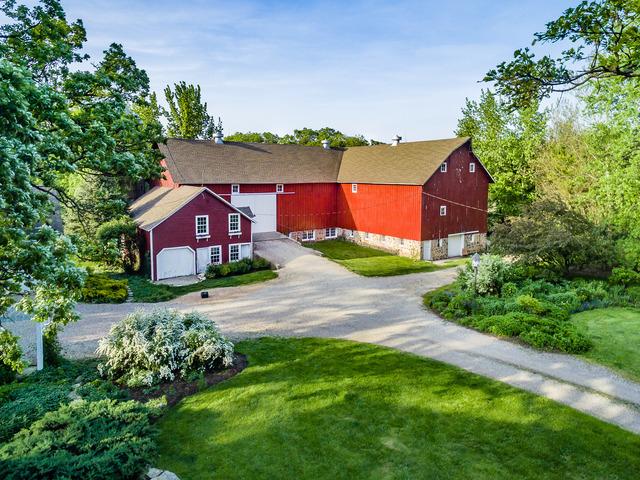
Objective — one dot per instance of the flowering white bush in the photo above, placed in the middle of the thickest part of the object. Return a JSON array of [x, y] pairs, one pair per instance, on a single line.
[[146, 348]]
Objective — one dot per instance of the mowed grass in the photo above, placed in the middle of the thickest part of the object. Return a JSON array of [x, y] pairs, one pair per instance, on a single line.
[[615, 333], [333, 409], [371, 262], [142, 290]]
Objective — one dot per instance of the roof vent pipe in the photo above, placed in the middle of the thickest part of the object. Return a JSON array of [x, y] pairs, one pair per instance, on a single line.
[[326, 144], [396, 141], [217, 138]]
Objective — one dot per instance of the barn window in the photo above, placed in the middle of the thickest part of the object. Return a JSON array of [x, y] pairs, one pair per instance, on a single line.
[[443, 210], [330, 233], [440, 243], [234, 252], [472, 167], [234, 223], [354, 188], [308, 235], [443, 167], [216, 255], [235, 188], [202, 225], [279, 188]]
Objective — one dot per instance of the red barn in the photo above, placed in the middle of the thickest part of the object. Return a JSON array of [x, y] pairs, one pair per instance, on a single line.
[[423, 199], [187, 228]]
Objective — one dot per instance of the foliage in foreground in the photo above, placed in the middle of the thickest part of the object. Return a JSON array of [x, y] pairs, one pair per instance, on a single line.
[[388, 414], [64, 422], [511, 303], [101, 439], [10, 356], [149, 348]]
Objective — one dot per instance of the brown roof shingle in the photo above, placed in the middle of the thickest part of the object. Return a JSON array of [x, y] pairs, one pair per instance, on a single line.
[[160, 203], [410, 163], [200, 162], [203, 161]]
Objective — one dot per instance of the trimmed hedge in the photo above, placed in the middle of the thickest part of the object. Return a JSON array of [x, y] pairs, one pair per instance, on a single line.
[[100, 288], [240, 267]]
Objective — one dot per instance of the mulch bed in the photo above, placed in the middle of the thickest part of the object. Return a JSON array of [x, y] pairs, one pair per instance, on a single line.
[[178, 389]]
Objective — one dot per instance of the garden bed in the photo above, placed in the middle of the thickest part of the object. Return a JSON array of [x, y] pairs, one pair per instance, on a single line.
[[180, 388]]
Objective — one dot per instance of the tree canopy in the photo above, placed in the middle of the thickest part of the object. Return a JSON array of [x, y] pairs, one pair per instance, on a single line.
[[187, 114], [304, 136], [62, 128], [602, 39]]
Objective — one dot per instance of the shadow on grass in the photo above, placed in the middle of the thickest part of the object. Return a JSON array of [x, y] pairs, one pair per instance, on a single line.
[[311, 408]]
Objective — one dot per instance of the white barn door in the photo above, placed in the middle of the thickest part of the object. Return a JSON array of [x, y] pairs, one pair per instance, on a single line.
[[175, 262], [455, 245], [263, 206]]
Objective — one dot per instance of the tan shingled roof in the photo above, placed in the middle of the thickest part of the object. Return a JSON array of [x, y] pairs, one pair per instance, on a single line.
[[160, 203], [203, 161], [410, 163]]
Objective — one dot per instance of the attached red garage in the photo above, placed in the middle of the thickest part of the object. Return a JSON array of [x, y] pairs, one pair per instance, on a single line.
[[187, 228]]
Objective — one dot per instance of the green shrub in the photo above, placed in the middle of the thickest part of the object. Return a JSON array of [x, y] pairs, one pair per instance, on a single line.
[[52, 347], [10, 356], [22, 406], [460, 305], [491, 275], [98, 440], [509, 289], [624, 276], [147, 348], [529, 304], [100, 288], [240, 267], [634, 295]]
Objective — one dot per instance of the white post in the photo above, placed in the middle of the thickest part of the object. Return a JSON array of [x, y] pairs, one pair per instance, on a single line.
[[39, 346]]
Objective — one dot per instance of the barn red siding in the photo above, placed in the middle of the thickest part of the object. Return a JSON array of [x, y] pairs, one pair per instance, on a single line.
[[305, 206], [392, 210], [301, 206], [458, 185], [166, 180], [180, 229]]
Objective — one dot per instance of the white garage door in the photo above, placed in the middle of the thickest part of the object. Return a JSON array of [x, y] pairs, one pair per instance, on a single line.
[[175, 262], [263, 207], [455, 244]]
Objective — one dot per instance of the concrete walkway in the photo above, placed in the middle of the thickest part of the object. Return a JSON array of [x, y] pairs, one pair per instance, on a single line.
[[316, 297]]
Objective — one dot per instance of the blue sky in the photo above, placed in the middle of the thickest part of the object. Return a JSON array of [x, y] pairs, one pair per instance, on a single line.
[[371, 67]]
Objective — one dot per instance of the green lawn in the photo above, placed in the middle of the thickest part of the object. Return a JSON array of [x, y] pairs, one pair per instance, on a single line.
[[143, 290], [330, 409], [371, 262], [615, 333]]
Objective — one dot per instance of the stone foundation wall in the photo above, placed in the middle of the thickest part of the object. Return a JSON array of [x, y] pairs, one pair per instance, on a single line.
[[439, 252], [320, 234], [395, 245], [474, 243]]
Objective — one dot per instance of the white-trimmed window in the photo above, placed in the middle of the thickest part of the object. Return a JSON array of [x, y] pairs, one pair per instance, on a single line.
[[443, 210], [234, 223], [234, 252], [202, 225], [308, 235], [354, 188], [330, 233], [443, 167], [235, 188], [279, 188], [215, 255], [472, 167], [440, 243]]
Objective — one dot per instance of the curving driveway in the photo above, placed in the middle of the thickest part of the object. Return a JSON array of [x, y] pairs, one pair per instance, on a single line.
[[316, 297]]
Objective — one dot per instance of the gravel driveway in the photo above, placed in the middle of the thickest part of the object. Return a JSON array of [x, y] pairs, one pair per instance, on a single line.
[[316, 297]]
